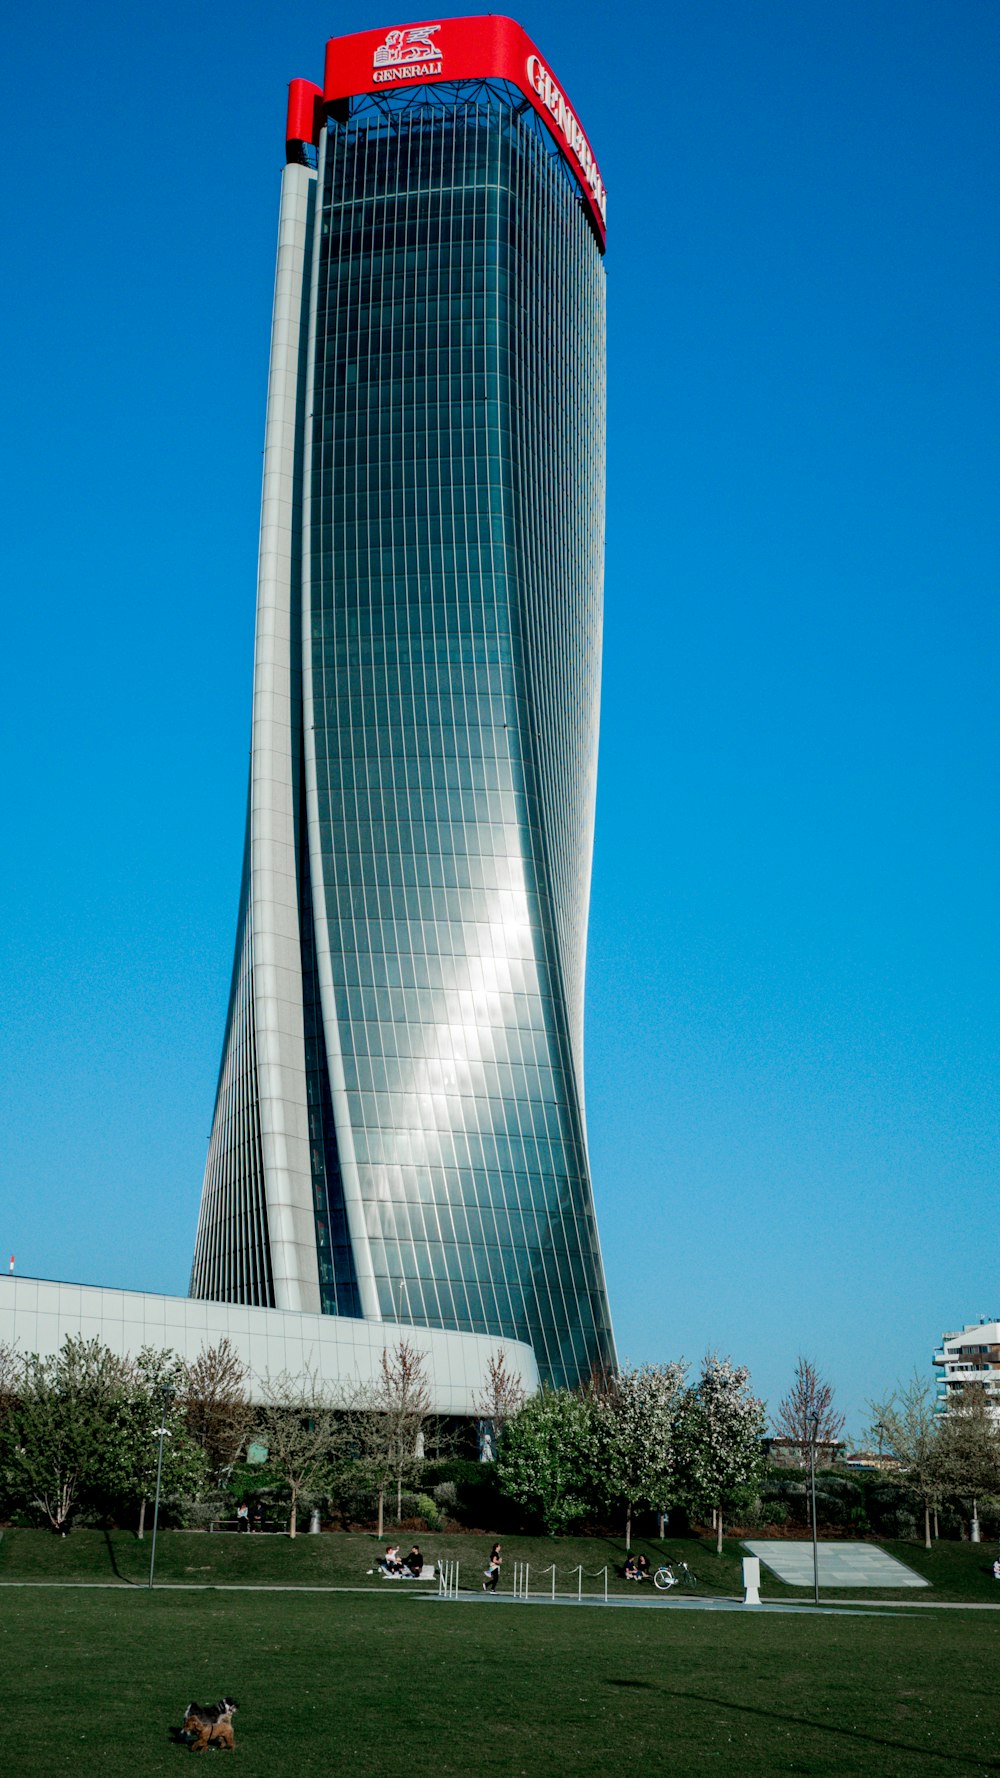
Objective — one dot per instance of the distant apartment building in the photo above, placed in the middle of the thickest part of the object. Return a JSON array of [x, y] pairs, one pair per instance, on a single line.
[[879, 1462], [793, 1453], [970, 1357]]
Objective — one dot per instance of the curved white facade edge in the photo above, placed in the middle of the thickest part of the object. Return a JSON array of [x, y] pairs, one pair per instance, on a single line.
[[277, 717], [38, 1314]]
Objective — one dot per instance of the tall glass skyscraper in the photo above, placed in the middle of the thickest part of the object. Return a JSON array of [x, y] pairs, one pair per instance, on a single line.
[[399, 1128]]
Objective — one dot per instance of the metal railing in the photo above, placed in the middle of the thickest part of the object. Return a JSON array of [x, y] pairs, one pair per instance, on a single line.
[[448, 1578], [522, 1581]]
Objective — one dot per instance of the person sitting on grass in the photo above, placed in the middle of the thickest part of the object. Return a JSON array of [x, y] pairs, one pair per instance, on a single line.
[[642, 1569], [414, 1562], [996, 1569], [390, 1562], [631, 1568]]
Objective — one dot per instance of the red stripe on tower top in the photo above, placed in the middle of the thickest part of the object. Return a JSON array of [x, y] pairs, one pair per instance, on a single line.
[[303, 112]]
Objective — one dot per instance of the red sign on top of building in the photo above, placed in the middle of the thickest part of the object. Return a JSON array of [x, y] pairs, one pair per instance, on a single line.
[[491, 48]]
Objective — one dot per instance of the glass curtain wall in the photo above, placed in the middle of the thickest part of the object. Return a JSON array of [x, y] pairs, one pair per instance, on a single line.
[[455, 566]]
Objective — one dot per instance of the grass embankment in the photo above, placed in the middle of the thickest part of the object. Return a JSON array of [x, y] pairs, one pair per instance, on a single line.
[[956, 1572], [337, 1559], [394, 1686]]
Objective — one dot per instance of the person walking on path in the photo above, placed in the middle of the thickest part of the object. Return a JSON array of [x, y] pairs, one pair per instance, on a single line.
[[492, 1577]]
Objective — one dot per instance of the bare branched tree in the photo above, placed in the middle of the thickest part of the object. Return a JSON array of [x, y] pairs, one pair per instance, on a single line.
[[907, 1423], [807, 1412], [502, 1395], [217, 1406], [298, 1422], [400, 1402]]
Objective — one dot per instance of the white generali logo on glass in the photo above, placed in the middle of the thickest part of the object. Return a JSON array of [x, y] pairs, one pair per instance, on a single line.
[[408, 55], [542, 83]]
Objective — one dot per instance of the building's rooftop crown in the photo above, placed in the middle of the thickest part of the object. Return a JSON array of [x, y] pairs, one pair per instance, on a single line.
[[483, 48]]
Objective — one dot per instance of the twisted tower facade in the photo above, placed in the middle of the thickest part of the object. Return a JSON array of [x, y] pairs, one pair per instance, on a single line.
[[399, 1127]]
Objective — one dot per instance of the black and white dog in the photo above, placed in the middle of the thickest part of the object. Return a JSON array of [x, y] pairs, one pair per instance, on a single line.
[[204, 1723]]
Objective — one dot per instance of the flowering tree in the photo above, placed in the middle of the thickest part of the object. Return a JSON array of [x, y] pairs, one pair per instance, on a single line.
[[718, 1439], [11, 1373], [150, 1399], [970, 1445], [634, 1416], [545, 1461], [61, 1436]]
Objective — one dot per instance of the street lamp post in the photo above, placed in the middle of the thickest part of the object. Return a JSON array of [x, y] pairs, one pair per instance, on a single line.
[[166, 1397], [815, 1426]]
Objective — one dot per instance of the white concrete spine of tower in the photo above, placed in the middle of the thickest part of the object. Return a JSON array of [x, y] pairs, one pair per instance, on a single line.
[[354, 1208], [274, 909]]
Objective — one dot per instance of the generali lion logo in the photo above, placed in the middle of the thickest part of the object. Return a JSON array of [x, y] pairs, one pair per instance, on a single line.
[[402, 48]]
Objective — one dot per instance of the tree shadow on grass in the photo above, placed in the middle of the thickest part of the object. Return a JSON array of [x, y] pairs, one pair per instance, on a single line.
[[826, 1728], [113, 1560]]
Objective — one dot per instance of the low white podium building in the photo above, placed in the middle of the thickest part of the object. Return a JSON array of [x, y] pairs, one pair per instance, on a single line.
[[37, 1315]]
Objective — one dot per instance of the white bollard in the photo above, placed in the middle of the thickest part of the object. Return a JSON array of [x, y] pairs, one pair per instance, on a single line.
[[751, 1580]]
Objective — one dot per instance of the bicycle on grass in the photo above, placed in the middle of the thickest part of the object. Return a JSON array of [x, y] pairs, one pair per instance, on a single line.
[[674, 1574]]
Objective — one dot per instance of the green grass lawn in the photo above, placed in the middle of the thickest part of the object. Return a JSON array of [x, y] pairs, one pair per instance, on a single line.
[[956, 1571], [341, 1685]]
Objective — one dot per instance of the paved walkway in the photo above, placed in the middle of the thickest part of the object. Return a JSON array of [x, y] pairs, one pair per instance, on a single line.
[[923, 1604], [631, 1602], [616, 1601]]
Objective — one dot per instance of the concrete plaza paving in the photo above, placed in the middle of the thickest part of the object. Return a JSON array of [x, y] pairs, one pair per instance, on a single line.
[[840, 1564]]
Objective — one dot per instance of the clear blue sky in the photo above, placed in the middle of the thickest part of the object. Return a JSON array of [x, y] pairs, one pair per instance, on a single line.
[[792, 1019]]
